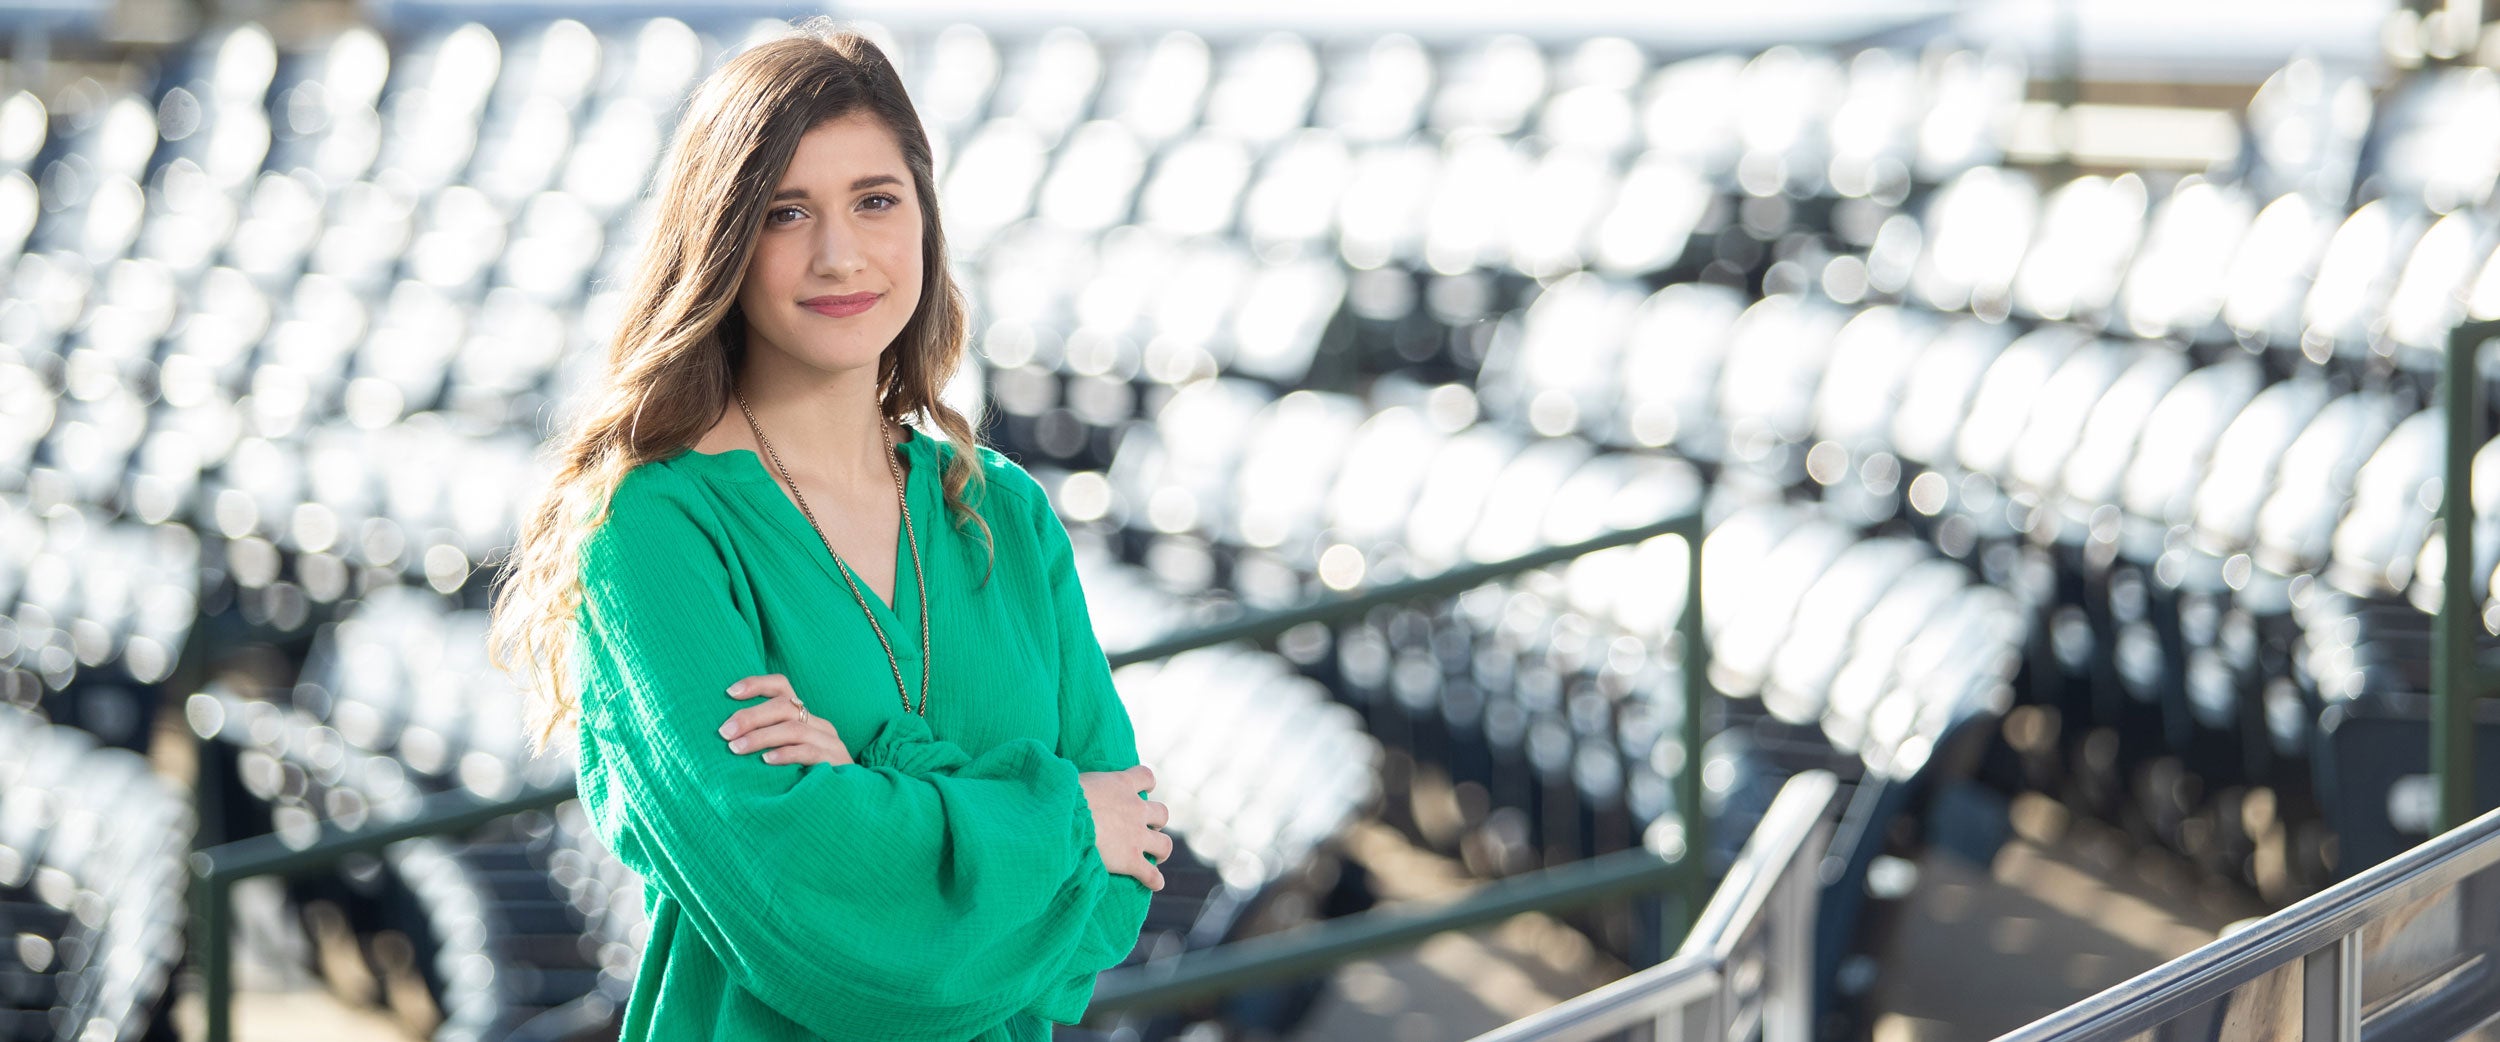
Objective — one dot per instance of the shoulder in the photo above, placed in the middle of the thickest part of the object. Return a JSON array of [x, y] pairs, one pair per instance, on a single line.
[[656, 486], [654, 503], [1017, 491]]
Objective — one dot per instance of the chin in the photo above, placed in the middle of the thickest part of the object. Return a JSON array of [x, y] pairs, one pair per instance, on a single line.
[[846, 355], [805, 340]]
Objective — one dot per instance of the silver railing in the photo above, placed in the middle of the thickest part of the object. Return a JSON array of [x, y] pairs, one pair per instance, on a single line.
[[1745, 969], [2409, 949]]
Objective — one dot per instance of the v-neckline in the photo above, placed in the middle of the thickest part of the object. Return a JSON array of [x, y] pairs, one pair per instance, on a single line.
[[747, 466]]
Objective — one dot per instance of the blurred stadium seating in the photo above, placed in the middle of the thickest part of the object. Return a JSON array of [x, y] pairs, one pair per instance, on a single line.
[[2118, 486]]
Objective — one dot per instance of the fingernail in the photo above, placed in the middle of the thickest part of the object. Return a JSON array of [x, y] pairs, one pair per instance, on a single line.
[[728, 729], [733, 688], [738, 746]]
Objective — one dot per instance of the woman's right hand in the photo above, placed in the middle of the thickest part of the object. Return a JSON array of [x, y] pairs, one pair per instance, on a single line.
[[1125, 826], [780, 726]]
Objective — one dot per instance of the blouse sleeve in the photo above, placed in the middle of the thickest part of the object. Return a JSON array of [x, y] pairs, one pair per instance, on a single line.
[[1095, 733], [928, 897]]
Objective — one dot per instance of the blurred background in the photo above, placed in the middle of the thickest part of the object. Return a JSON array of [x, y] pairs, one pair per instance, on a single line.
[[2058, 385]]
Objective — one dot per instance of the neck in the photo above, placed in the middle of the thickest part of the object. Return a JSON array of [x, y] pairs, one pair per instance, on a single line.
[[825, 426]]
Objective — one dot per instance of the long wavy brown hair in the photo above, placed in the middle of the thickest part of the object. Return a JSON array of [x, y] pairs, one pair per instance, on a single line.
[[673, 360]]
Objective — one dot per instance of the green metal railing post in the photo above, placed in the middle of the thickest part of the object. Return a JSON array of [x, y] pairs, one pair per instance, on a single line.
[[1695, 653], [2456, 682], [209, 902], [211, 909]]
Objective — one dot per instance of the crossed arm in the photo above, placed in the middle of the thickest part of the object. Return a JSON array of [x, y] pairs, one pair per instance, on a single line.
[[781, 730]]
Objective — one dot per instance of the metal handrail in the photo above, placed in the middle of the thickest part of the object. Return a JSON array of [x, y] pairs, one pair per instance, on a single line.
[[1452, 581], [215, 870], [1333, 942], [1771, 889], [2322, 932]]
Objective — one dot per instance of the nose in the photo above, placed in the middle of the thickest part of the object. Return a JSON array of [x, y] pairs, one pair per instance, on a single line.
[[839, 250]]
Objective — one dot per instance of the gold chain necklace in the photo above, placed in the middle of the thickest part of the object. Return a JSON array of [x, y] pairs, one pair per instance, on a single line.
[[909, 536]]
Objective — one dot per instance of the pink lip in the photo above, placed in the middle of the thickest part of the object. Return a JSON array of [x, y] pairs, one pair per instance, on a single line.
[[837, 307]]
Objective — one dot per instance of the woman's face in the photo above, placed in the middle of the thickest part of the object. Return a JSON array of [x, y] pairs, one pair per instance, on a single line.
[[836, 268]]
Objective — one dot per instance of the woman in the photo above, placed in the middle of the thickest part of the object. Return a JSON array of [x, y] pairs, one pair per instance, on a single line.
[[867, 758]]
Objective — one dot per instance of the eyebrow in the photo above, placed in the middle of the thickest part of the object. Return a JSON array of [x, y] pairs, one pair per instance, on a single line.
[[870, 181]]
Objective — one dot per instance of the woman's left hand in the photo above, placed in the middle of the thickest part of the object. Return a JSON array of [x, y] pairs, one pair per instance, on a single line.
[[781, 727]]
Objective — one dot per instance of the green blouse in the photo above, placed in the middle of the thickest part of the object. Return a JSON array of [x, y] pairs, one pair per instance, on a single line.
[[945, 886]]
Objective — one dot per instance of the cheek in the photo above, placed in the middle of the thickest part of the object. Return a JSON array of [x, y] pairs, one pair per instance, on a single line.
[[764, 280], [902, 271], [775, 263], [776, 275], [902, 259]]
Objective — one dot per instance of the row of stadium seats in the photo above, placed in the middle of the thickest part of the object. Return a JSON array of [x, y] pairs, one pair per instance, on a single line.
[[91, 885]]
